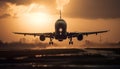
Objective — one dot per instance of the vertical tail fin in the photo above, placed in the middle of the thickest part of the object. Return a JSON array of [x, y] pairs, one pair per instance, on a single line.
[[60, 14]]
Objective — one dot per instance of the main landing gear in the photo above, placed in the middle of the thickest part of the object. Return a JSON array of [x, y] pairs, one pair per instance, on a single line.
[[70, 42], [51, 42]]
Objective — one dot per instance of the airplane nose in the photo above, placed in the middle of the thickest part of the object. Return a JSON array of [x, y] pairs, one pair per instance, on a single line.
[[60, 29]]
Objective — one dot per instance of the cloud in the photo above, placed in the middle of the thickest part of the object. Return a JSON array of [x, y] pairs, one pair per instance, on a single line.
[[27, 2], [88, 9], [4, 16], [13, 7], [18, 2], [93, 9]]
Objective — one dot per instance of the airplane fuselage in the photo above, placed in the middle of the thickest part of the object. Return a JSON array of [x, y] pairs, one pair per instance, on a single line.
[[60, 30]]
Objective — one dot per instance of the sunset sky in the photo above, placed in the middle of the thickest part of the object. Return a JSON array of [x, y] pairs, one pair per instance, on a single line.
[[41, 15]]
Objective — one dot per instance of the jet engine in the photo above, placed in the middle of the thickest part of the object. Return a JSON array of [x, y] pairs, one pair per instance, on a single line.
[[42, 37], [80, 37]]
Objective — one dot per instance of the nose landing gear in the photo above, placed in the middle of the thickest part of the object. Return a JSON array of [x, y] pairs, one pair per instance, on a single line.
[[70, 42], [51, 42]]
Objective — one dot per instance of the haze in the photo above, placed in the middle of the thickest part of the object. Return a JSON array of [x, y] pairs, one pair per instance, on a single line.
[[40, 16]]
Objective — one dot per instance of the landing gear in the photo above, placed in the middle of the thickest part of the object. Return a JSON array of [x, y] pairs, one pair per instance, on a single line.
[[51, 42], [70, 42]]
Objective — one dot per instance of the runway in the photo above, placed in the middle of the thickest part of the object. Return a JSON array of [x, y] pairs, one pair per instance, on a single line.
[[97, 58]]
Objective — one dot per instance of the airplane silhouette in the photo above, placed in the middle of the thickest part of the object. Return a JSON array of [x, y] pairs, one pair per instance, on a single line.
[[61, 33]]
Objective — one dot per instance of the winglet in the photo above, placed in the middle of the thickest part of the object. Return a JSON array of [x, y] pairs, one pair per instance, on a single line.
[[107, 30], [14, 32]]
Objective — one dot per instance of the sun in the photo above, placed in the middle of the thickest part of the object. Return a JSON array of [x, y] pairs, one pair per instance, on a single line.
[[38, 17]]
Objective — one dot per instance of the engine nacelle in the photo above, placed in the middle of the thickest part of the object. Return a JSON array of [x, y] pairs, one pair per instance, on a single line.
[[80, 37], [42, 37]]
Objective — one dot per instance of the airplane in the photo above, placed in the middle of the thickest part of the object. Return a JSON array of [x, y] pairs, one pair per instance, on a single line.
[[61, 33]]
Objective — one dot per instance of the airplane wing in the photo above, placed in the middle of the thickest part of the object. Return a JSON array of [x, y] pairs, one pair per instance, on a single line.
[[75, 34], [34, 34], [70, 35]]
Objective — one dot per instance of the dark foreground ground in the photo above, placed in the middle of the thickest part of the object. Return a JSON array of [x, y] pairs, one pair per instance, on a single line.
[[89, 58]]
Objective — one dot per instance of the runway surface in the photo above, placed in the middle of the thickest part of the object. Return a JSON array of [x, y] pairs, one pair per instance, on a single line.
[[88, 58]]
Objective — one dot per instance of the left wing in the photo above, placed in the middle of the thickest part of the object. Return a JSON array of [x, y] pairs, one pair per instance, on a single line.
[[35, 34], [75, 34]]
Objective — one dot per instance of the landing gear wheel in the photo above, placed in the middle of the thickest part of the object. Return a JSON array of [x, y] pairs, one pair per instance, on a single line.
[[71, 42], [50, 43]]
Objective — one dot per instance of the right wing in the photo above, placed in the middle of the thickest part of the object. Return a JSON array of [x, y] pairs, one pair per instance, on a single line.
[[75, 34]]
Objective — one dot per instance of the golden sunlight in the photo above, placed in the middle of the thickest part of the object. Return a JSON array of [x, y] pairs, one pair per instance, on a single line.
[[33, 14], [38, 17]]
